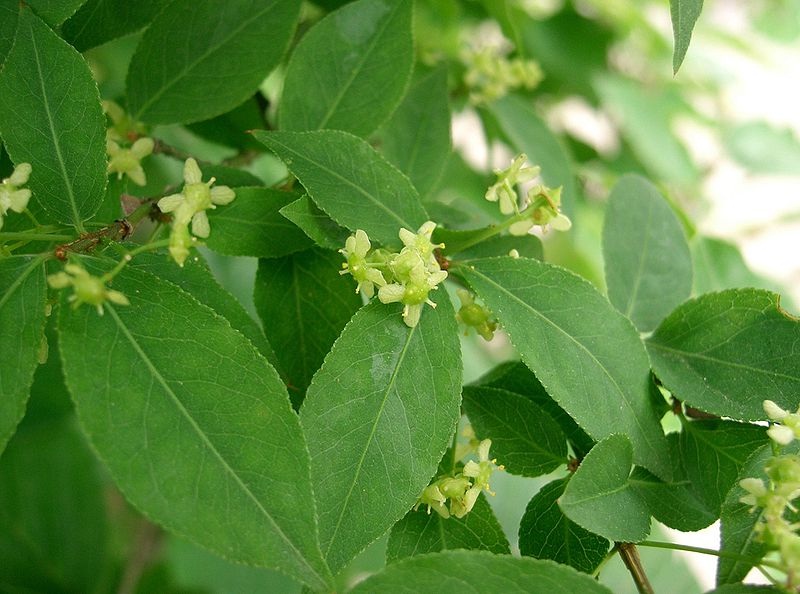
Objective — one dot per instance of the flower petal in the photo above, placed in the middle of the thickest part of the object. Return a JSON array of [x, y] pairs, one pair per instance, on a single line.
[[200, 226], [222, 195], [171, 202], [142, 147], [20, 175], [191, 172], [391, 293]]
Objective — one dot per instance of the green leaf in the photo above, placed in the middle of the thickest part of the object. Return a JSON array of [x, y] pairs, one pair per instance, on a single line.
[[478, 571], [600, 497], [714, 452], [232, 128], [201, 58], [719, 265], [417, 137], [54, 12], [378, 416], [315, 223], [194, 425], [528, 134], [515, 377], [422, 532], [99, 21], [230, 176], [744, 589], [647, 262], [684, 15], [350, 181], [252, 226], [672, 503], [725, 353], [762, 148], [303, 303], [22, 304], [738, 523], [525, 439], [546, 533], [470, 244], [50, 117], [9, 11], [196, 279], [350, 70], [587, 355], [53, 533]]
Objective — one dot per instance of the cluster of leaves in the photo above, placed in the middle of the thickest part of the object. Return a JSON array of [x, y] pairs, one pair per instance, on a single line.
[[294, 439]]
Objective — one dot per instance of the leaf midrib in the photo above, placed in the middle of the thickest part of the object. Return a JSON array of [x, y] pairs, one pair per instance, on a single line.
[[204, 439]]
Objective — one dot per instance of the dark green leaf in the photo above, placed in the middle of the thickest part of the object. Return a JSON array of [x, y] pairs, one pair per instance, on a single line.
[[684, 15], [525, 439], [725, 353], [417, 137], [196, 279], [478, 571], [201, 58], [22, 303], [252, 226], [647, 262], [737, 522], [546, 533], [350, 70], [515, 377], [744, 589], [350, 181], [232, 128], [423, 532], [303, 303], [470, 244], [600, 497], [713, 453], [315, 223], [50, 399], [230, 176], [52, 516], [586, 354], [528, 134], [9, 10], [99, 21], [54, 12], [673, 504], [762, 148], [50, 117], [194, 425], [378, 416]]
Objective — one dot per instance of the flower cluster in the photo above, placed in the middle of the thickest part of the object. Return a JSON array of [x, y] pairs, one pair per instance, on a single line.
[[125, 145], [86, 287], [462, 489], [491, 75], [189, 207], [475, 316], [406, 277], [776, 496], [542, 203], [12, 197]]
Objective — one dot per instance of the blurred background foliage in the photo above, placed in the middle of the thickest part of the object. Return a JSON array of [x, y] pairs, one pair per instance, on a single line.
[[607, 104]]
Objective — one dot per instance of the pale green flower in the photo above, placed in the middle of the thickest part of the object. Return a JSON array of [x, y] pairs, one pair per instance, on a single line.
[[355, 250], [86, 287], [413, 293], [127, 161], [12, 197], [789, 428], [542, 210], [420, 242], [503, 191], [475, 316]]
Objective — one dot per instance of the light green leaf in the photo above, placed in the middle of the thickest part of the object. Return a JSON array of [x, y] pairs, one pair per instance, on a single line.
[[546, 533], [528, 134], [417, 137], [587, 356], [55, 12], [350, 70], [22, 303], [684, 15], [201, 58], [719, 265], [50, 117], [600, 497], [315, 223], [725, 353], [194, 425], [525, 439], [762, 148], [714, 452], [378, 416], [252, 226], [647, 262], [53, 533], [303, 303], [422, 532], [196, 279], [478, 571], [350, 181], [744, 589], [99, 21]]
